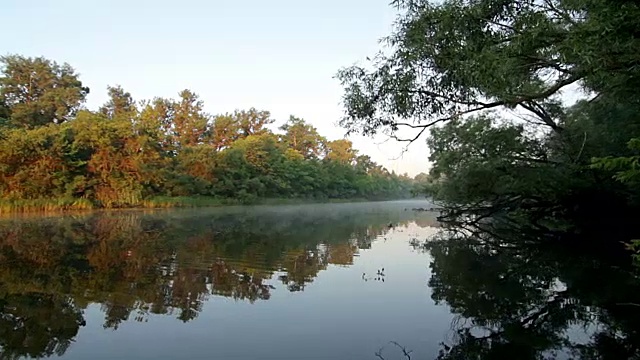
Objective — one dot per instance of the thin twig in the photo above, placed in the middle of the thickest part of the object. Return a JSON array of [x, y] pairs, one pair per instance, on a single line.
[[581, 148], [404, 350]]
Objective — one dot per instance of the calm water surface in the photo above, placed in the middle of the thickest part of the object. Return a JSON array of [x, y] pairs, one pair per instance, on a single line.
[[286, 282]]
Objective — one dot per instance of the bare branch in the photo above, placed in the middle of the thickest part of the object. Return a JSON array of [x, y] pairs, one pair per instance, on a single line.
[[526, 101], [424, 128], [529, 119], [413, 126], [404, 350], [541, 113]]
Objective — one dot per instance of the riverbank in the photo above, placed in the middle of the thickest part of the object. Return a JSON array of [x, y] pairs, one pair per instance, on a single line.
[[31, 206]]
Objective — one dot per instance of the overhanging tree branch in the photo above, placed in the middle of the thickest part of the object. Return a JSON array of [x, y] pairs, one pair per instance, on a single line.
[[526, 101]]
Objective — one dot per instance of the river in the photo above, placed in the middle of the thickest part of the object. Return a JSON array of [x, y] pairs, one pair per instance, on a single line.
[[317, 281]]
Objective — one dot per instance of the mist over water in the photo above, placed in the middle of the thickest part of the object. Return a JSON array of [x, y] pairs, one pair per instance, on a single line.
[[300, 281], [317, 281]]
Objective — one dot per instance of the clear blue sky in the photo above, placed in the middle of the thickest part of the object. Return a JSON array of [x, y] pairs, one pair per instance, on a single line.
[[278, 55]]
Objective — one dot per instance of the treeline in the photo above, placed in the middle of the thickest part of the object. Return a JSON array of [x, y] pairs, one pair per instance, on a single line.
[[130, 153]]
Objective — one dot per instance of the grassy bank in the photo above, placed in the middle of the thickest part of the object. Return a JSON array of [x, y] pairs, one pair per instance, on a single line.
[[44, 205], [69, 204]]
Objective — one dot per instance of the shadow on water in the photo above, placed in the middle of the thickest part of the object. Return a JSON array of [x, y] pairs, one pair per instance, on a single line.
[[532, 300], [135, 264]]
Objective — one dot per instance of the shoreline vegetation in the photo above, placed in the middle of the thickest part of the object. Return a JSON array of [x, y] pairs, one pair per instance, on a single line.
[[57, 155], [46, 206]]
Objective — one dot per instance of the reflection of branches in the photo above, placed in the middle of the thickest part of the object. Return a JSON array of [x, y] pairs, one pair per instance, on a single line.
[[37, 325], [135, 265], [405, 352], [457, 322], [509, 295]]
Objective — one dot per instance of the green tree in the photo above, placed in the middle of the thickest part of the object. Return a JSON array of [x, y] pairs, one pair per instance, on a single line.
[[118, 168], [461, 57], [449, 65], [302, 137], [224, 131], [155, 123], [342, 151], [252, 121], [190, 122], [37, 91], [120, 104], [126, 153]]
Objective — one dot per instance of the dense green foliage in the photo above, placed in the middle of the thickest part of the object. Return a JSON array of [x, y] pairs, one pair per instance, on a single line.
[[128, 152], [488, 81]]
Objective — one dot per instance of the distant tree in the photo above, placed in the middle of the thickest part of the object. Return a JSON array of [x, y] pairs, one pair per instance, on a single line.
[[224, 131], [190, 122], [341, 150], [156, 121], [252, 122], [37, 91], [303, 137], [120, 103], [422, 177], [364, 164], [128, 152]]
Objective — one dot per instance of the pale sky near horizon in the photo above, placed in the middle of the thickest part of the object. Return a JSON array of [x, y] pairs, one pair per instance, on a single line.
[[278, 55]]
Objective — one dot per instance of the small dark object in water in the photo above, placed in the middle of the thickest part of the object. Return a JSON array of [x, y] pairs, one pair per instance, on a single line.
[[390, 225]]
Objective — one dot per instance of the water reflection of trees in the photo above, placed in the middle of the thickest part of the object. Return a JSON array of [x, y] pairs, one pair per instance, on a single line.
[[135, 265], [525, 301], [37, 325]]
